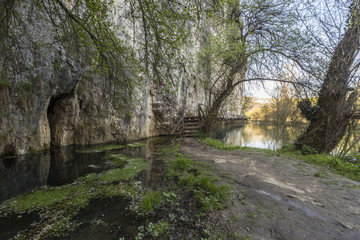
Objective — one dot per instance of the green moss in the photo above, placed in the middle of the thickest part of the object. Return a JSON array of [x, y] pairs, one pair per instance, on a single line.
[[100, 149], [89, 177], [37, 199], [131, 169], [117, 158], [150, 201], [137, 144]]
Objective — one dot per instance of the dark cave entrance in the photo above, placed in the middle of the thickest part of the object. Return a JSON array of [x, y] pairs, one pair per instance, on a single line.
[[57, 112]]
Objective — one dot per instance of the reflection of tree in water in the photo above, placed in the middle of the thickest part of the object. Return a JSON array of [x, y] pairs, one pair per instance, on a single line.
[[262, 135]]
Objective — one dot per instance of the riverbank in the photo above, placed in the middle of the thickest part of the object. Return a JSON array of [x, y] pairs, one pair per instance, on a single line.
[[281, 197], [189, 190]]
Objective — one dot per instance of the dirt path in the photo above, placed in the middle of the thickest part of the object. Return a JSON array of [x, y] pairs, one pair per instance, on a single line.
[[281, 198]]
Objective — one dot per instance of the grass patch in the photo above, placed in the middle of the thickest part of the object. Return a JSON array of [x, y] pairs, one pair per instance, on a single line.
[[348, 166], [150, 201], [218, 144], [199, 179], [181, 163], [118, 159]]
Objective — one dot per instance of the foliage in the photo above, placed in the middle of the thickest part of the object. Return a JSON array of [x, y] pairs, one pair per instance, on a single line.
[[157, 230], [330, 118], [150, 201], [167, 28], [246, 38], [247, 103], [284, 105]]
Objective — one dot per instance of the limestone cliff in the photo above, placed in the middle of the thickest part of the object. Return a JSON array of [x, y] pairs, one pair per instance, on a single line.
[[51, 95]]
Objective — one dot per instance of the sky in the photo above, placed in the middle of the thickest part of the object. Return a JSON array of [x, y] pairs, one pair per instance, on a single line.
[[259, 91]]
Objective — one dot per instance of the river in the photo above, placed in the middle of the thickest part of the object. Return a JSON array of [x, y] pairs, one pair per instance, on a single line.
[[259, 135]]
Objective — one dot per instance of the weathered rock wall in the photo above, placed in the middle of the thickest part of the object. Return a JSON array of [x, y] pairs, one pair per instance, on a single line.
[[50, 96]]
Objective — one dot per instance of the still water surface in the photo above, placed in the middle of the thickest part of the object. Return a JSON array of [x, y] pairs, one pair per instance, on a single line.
[[63, 166], [259, 135]]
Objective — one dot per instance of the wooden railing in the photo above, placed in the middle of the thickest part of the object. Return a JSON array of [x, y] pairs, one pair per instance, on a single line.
[[180, 122]]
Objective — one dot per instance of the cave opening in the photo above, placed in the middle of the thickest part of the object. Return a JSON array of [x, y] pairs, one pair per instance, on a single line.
[[56, 113]]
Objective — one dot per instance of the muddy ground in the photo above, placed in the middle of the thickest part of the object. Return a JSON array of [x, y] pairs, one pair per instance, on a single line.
[[279, 197]]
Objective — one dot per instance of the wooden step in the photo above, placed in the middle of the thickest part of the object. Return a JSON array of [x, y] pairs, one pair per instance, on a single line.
[[191, 123], [190, 127]]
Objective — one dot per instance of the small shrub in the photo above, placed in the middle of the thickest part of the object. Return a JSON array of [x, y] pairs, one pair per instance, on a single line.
[[4, 83]]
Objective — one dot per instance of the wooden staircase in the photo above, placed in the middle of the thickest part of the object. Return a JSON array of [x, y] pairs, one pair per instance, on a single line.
[[191, 126], [188, 126]]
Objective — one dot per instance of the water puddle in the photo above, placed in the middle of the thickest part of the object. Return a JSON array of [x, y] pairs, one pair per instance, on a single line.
[[80, 176], [106, 219], [306, 210]]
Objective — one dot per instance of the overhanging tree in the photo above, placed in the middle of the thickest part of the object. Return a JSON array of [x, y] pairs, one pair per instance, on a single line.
[[331, 116], [250, 41]]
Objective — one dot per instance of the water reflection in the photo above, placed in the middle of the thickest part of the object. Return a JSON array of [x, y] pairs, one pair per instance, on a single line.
[[258, 135], [64, 165], [22, 173]]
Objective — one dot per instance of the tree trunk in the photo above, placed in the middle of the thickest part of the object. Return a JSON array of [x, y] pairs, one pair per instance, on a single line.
[[211, 117], [335, 107], [232, 81]]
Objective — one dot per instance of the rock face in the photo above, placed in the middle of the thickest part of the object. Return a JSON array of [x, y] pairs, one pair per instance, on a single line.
[[50, 97]]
